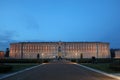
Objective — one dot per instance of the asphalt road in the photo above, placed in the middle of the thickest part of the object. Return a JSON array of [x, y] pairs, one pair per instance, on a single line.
[[59, 70]]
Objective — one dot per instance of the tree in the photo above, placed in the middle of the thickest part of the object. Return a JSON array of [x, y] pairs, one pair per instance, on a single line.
[[93, 59], [81, 56], [7, 52], [38, 56]]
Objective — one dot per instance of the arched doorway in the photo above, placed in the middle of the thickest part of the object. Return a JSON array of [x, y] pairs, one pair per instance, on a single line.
[[59, 53]]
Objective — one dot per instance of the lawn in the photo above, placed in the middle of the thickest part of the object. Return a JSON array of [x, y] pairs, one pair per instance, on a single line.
[[101, 66], [18, 67]]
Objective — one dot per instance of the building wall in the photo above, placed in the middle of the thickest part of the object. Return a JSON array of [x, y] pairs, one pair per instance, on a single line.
[[1, 54], [117, 54], [67, 49]]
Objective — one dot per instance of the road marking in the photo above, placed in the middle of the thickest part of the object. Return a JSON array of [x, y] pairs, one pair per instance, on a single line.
[[11, 74], [98, 71]]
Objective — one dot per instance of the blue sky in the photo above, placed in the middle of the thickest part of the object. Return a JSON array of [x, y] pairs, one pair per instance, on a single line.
[[55, 20]]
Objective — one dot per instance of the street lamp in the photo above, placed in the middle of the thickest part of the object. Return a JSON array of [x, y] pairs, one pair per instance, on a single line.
[[42, 57], [76, 57], [97, 50]]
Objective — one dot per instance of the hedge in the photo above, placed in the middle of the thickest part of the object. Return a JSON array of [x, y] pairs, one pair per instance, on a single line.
[[23, 60], [88, 60]]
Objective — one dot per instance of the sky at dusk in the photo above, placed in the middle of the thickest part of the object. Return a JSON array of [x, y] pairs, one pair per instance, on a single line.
[[59, 20]]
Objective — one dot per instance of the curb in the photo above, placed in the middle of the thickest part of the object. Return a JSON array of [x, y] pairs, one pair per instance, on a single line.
[[98, 71], [11, 74]]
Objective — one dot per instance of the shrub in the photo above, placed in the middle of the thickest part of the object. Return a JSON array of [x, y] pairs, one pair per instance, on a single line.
[[24, 60], [73, 60], [45, 61], [84, 61]]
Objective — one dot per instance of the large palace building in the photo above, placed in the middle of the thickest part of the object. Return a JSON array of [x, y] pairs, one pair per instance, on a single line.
[[59, 49]]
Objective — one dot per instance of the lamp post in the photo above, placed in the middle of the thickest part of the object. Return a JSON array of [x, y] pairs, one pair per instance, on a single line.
[[97, 50], [76, 57], [42, 57]]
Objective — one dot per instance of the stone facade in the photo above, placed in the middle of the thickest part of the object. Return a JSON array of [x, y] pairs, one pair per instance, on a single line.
[[117, 54], [1, 54], [63, 49]]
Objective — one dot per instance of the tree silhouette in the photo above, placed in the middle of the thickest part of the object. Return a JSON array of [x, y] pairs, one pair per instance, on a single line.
[[81, 56], [7, 52], [38, 56]]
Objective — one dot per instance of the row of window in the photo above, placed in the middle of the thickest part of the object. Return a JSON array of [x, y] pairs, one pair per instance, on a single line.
[[25, 55], [46, 47], [94, 50]]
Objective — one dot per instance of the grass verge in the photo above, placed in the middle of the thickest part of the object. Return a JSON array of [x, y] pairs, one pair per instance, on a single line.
[[18, 67], [101, 66]]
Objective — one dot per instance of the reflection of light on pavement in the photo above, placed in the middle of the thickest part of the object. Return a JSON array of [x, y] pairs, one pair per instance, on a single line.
[[72, 63]]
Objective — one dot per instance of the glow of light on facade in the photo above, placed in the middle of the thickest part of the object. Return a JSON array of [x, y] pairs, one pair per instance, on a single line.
[[68, 49]]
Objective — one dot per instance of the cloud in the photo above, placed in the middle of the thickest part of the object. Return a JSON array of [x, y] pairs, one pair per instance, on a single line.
[[6, 37]]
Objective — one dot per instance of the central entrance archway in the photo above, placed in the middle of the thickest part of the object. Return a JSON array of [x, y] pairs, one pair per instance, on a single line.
[[59, 53]]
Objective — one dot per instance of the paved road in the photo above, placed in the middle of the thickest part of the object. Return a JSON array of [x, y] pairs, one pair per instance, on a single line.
[[59, 70]]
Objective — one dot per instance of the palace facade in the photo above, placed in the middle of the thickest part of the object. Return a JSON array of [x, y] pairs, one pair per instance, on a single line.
[[1, 54], [62, 49]]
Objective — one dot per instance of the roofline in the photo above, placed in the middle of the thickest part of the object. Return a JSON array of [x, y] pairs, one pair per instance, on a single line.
[[61, 42]]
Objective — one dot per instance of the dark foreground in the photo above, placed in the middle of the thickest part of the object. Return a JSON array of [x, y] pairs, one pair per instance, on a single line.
[[59, 70]]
